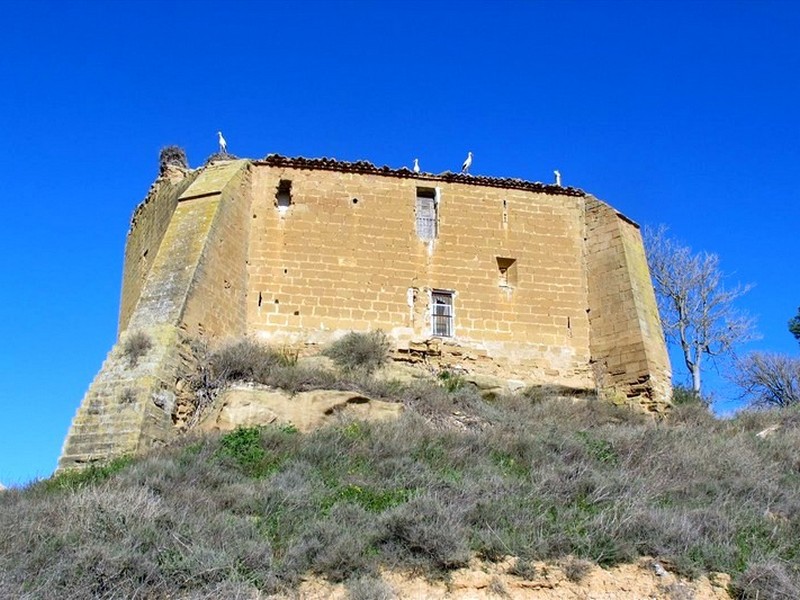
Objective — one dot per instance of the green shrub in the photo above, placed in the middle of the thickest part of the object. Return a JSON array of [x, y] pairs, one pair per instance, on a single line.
[[360, 351], [243, 445], [91, 475], [452, 382], [682, 395]]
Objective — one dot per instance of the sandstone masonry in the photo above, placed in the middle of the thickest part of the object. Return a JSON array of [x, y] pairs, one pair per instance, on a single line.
[[534, 283]]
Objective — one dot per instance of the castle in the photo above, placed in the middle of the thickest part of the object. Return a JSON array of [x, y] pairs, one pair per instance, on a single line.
[[530, 282]]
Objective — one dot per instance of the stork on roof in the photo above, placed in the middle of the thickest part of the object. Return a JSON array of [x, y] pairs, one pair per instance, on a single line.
[[223, 145], [416, 165], [467, 163], [557, 173]]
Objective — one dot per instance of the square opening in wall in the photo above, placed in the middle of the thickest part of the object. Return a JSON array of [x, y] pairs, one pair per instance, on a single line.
[[507, 270]]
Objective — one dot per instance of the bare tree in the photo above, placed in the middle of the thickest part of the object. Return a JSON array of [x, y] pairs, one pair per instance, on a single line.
[[697, 312], [769, 379]]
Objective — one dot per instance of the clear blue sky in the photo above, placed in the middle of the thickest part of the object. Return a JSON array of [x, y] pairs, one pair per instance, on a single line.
[[683, 113]]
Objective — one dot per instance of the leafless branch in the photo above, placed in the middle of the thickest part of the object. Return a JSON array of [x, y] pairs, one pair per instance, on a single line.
[[696, 310]]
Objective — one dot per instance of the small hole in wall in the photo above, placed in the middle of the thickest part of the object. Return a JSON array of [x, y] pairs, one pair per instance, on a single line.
[[355, 200], [276, 301], [285, 271], [144, 254], [259, 298], [254, 216], [297, 313]]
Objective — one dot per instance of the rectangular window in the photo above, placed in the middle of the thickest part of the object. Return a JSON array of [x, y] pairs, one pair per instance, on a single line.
[[283, 199], [442, 313], [427, 214]]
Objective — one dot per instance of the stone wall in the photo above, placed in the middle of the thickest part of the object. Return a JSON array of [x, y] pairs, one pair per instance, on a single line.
[[193, 286], [148, 225], [627, 341], [345, 255]]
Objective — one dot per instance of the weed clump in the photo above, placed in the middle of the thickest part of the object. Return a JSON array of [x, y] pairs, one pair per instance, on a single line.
[[247, 360], [91, 475], [523, 567], [575, 569], [365, 352], [369, 587], [136, 346], [765, 579]]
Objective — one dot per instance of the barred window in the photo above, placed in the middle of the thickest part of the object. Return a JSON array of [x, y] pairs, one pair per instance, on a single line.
[[442, 313], [427, 217]]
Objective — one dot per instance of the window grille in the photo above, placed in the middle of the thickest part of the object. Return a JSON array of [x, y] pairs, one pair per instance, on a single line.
[[426, 214], [442, 313]]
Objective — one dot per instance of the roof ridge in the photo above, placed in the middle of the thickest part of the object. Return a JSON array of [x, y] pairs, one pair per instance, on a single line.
[[366, 167]]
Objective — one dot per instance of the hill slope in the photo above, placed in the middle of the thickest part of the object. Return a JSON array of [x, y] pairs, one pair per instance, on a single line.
[[256, 511]]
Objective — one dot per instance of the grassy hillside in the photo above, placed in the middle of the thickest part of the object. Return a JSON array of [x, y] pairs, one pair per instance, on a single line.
[[252, 511], [257, 508]]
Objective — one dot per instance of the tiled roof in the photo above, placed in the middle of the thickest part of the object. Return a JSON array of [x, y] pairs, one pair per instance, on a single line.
[[367, 168]]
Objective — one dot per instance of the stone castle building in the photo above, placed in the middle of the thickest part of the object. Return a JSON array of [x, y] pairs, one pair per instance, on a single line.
[[530, 282]]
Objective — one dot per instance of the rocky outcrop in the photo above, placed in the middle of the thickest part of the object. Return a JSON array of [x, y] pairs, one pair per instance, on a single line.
[[250, 406], [645, 579]]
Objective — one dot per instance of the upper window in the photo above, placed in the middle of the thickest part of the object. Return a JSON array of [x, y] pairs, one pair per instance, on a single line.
[[442, 313], [427, 214], [283, 199]]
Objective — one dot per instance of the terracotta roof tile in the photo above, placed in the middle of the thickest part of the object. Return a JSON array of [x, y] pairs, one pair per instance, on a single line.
[[366, 167]]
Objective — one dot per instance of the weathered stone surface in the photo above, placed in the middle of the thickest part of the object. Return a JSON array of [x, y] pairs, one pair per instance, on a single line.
[[171, 291], [480, 580], [247, 406]]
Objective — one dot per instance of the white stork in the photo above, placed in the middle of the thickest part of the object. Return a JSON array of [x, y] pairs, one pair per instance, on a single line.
[[416, 165], [557, 173], [467, 163], [223, 145]]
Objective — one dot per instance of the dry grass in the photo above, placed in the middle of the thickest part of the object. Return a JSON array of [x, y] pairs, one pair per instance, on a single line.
[[365, 352], [253, 511], [136, 346]]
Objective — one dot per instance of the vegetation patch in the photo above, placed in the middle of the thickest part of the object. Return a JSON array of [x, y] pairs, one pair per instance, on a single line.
[[365, 352], [136, 346], [91, 475], [253, 511]]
